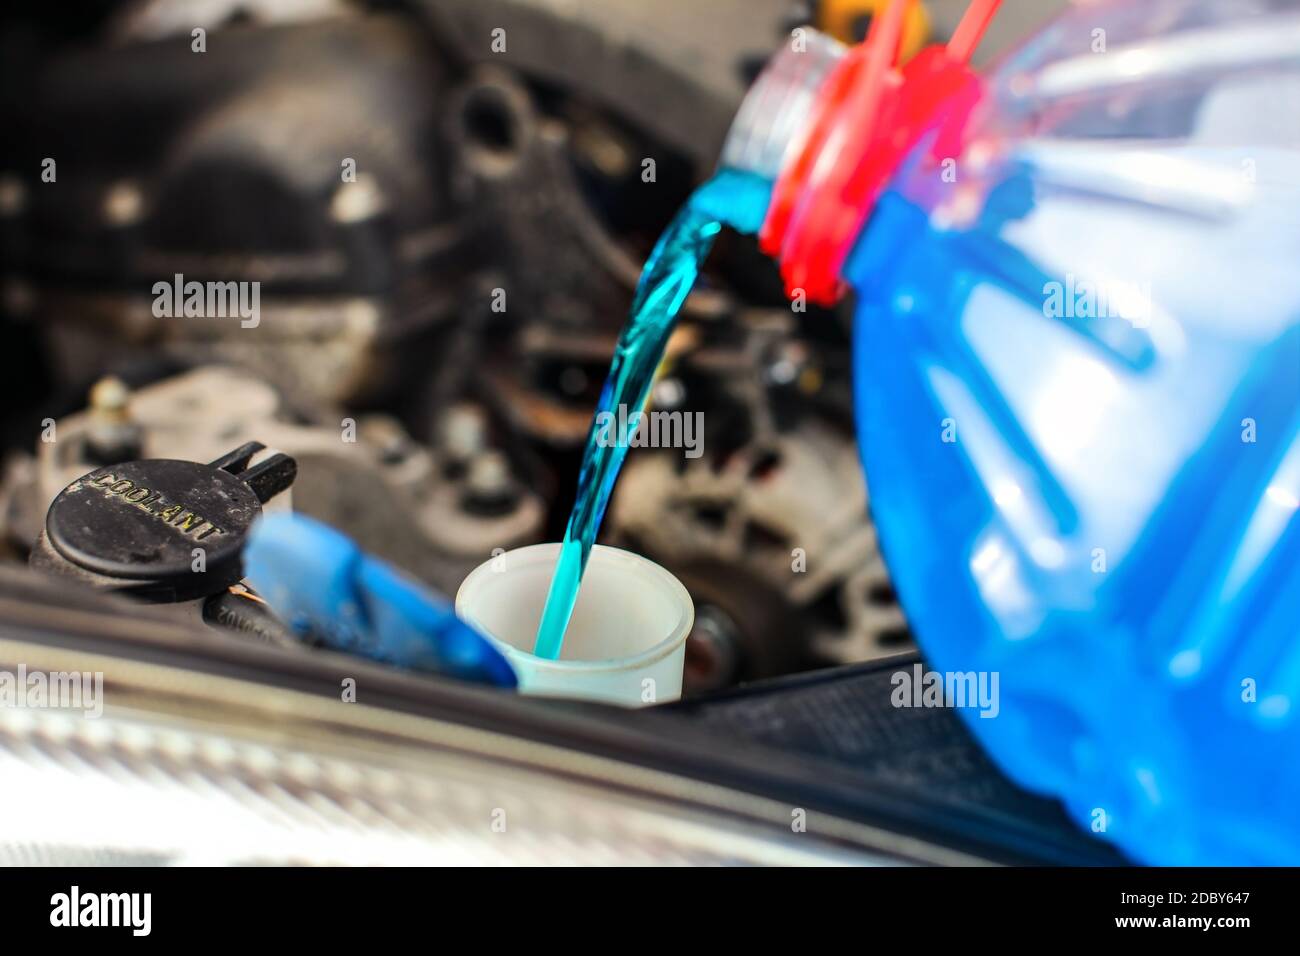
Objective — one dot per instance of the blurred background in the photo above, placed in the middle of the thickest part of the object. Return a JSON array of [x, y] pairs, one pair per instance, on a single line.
[[475, 170]]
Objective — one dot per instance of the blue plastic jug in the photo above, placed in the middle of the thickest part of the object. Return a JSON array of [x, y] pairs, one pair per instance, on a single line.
[[1077, 375]]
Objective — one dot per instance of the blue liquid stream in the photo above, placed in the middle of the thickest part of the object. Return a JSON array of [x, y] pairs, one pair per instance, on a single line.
[[730, 198]]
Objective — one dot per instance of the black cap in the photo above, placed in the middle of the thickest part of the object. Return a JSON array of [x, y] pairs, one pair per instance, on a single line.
[[163, 528]]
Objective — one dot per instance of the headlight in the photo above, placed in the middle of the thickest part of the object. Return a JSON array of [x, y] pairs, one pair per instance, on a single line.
[[189, 768]]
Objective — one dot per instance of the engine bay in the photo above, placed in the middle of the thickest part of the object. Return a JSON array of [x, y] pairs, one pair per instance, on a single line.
[[433, 312]]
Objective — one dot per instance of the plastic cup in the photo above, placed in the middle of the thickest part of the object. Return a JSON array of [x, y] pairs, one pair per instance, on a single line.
[[626, 642]]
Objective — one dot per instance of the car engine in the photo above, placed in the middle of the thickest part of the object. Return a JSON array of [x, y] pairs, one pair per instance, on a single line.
[[445, 247]]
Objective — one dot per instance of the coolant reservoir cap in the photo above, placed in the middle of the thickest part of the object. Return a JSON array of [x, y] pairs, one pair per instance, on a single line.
[[178, 524]]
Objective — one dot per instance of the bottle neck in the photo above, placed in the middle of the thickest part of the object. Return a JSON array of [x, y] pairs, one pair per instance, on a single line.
[[772, 121], [829, 126]]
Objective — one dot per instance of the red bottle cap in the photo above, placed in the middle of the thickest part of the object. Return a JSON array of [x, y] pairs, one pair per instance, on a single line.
[[868, 115]]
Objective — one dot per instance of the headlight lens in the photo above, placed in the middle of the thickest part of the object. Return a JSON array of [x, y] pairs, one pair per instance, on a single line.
[[183, 768]]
